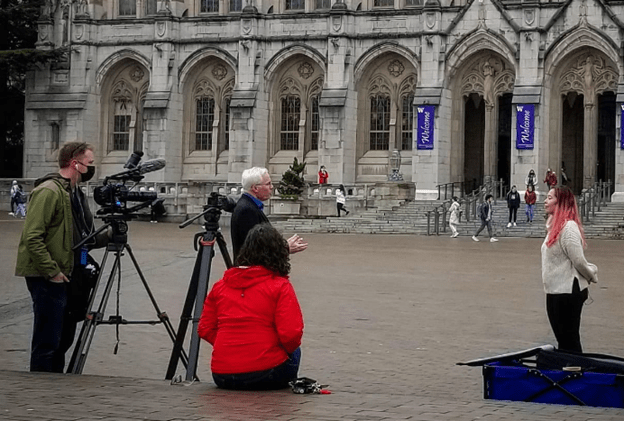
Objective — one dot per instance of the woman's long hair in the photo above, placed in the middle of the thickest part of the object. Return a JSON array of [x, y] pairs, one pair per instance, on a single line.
[[565, 210], [265, 246]]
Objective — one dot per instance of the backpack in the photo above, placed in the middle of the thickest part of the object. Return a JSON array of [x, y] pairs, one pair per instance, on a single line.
[[19, 197], [481, 211]]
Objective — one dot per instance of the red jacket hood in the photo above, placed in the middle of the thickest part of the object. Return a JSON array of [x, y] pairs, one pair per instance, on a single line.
[[247, 276]]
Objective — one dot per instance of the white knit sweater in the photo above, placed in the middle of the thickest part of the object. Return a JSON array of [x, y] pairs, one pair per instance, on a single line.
[[564, 261]]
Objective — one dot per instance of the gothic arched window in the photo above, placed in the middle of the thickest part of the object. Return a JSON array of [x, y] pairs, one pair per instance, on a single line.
[[407, 121], [379, 122], [289, 127], [314, 123], [204, 119]]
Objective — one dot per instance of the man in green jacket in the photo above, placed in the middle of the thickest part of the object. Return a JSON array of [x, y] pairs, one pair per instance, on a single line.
[[58, 217]]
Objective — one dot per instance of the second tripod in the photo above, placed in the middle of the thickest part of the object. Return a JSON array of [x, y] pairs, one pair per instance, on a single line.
[[198, 288], [117, 246]]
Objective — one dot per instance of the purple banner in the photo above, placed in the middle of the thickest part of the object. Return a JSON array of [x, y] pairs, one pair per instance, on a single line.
[[424, 128], [525, 126], [622, 127]]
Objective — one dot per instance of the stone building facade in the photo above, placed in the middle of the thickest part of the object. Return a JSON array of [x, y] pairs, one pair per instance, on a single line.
[[217, 86]]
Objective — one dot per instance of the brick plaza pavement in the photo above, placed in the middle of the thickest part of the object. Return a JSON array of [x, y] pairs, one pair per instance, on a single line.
[[387, 318]]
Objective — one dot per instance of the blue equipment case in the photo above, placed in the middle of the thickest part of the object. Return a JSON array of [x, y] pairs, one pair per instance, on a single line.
[[554, 377]]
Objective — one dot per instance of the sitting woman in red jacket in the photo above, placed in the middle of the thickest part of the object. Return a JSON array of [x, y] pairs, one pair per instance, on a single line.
[[252, 317]]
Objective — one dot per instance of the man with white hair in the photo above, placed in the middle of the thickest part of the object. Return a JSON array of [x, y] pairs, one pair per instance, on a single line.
[[257, 188]]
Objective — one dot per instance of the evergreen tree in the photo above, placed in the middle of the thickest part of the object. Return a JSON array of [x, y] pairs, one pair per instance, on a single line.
[[18, 35], [291, 185]]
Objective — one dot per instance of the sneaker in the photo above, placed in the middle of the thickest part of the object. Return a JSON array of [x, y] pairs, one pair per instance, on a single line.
[[509, 225], [11, 214], [347, 212], [455, 235], [515, 224], [474, 238], [493, 240]]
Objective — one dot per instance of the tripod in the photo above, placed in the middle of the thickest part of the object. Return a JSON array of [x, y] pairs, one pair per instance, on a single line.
[[198, 288], [117, 246]]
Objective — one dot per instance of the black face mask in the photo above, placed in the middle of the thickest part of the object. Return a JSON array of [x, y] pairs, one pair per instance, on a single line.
[[89, 174]]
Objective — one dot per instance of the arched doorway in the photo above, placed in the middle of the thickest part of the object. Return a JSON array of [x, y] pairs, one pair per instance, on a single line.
[[486, 88], [587, 87]]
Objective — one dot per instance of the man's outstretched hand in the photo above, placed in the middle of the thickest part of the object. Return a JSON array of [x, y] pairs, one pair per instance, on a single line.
[[296, 244]]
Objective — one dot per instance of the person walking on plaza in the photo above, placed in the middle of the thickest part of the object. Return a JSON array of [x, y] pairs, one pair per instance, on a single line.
[[550, 179], [454, 219], [486, 213], [257, 188], [531, 179], [58, 217], [340, 200], [566, 274], [13, 191], [252, 317], [323, 175], [20, 201], [513, 203], [529, 198]]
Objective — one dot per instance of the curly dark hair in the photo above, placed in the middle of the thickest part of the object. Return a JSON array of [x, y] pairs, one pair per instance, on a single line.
[[265, 246]]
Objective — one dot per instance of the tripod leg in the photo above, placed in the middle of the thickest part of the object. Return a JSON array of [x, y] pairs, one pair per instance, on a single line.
[[186, 315], [224, 250], [202, 290], [83, 343], [162, 316]]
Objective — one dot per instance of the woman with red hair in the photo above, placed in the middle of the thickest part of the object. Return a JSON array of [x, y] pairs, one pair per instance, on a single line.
[[565, 272]]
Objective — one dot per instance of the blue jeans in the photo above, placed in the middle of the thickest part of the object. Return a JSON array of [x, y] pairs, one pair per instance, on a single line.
[[529, 212], [53, 329], [274, 378]]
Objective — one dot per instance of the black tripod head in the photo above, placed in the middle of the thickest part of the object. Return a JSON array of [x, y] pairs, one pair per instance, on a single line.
[[119, 224]]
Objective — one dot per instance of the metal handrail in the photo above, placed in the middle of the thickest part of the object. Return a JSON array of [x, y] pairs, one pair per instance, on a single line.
[[594, 197]]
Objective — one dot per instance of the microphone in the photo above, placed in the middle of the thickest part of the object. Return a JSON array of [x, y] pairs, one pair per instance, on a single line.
[[151, 165], [134, 160]]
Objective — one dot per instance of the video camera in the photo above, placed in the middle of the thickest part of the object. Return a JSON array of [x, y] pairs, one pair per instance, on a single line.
[[221, 202], [113, 197]]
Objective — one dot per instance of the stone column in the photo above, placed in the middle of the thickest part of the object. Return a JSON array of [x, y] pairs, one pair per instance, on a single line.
[[590, 144]]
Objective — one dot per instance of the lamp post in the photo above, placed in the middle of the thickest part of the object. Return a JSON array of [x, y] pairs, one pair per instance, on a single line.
[[395, 166]]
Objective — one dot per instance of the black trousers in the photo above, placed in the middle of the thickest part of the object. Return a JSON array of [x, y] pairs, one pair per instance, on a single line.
[[513, 213], [564, 314]]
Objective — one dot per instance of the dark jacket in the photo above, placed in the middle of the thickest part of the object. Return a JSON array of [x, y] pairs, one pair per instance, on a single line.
[[252, 319], [245, 216], [513, 199]]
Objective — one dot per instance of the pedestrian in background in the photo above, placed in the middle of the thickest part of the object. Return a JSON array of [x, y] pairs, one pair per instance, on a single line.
[[323, 175], [513, 203], [20, 201], [13, 191], [531, 179], [485, 214], [564, 177], [454, 219], [550, 179], [340, 200], [565, 272], [529, 198]]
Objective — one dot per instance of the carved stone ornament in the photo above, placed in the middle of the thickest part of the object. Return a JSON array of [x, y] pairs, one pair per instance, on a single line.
[[79, 31], [43, 32], [529, 17], [336, 23], [305, 70], [137, 74], [395, 68], [430, 20], [219, 71], [161, 28], [246, 26]]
